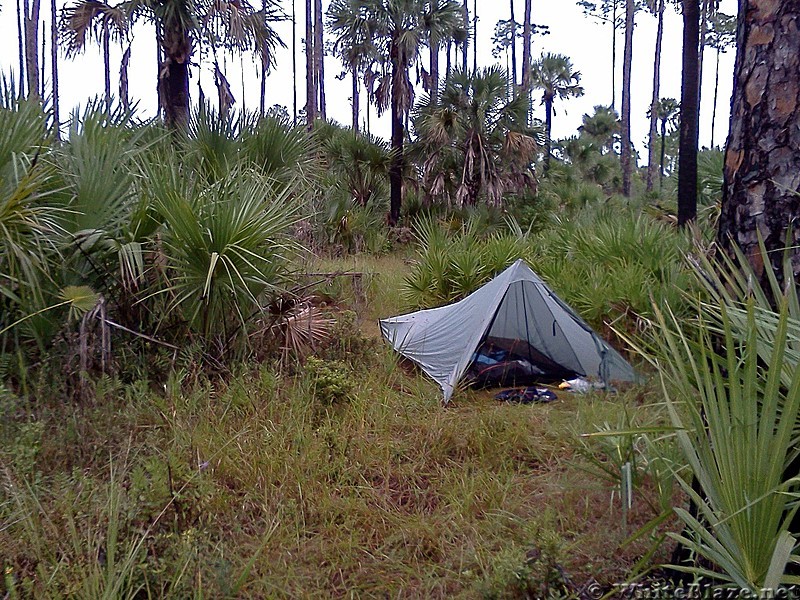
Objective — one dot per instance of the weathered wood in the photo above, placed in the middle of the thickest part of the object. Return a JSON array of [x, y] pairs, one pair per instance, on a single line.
[[762, 158]]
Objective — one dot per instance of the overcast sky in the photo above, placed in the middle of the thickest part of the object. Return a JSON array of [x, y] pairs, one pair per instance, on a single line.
[[584, 40]]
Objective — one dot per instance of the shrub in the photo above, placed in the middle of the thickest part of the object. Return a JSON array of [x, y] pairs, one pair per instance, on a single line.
[[331, 381]]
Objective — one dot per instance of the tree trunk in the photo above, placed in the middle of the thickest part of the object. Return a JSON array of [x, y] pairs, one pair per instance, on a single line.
[[43, 63], [106, 65], [513, 50], [716, 98], [526, 55], [319, 57], [475, 36], [548, 127], [355, 98], [627, 61], [396, 166], [613, 55], [663, 152], [434, 62], [687, 152], [54, 69], [32, 46], [449, 65], [653, 134], [761, 179], [311, 80], [465, 47], [21, 47], [174, 83], [124, 97], [294, 63]]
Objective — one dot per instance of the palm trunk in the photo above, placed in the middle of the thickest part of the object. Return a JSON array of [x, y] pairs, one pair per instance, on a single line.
[[311, 79], [31, 8], [760, 199], [651, 146], [513, 49], [716, 98], [548, 127], [396, 166], [526, 56], [106, 65], [54, 69], [625, 157], [174, 82], [319, 57], [449, 64], [21, 47], [465, 47], [354, 72], [687, 153]]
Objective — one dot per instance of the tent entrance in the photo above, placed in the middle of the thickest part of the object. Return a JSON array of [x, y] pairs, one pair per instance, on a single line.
[[524, 343]]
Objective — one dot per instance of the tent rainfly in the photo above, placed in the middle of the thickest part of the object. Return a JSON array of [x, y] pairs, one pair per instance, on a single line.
[[514, 316]]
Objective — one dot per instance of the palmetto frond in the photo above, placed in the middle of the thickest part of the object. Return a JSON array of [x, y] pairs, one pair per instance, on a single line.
[[89, 19]]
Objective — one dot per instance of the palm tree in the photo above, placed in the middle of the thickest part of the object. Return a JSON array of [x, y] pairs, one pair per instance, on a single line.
[[690, 108], [180, 24], [398, 28], [556, 77], [476, 140]]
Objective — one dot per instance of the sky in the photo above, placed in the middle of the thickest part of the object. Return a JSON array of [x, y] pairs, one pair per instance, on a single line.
[[585, 40]]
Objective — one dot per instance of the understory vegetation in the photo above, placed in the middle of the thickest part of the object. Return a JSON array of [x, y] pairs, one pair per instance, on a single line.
[[195, 400]]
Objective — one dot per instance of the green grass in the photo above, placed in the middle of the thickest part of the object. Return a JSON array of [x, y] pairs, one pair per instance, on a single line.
[[251, 488]]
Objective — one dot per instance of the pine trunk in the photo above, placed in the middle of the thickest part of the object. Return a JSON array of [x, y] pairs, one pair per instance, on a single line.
[[124, 96], [513, 49], [663, 152], [716, 99], [354, 73], [653, 133], [687, 150], [548, 127], [526, 55], [106, 65], [319, 58], [475, 36], [174, 76], [614, 55], [54, 69], [294, 63], [465, 47], [396, 166], [21, 47], [761, 178], [311, 79], [627, 61], [32, 46]]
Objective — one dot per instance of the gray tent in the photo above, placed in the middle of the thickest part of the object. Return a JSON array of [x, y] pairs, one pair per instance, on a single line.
[[515, 318]]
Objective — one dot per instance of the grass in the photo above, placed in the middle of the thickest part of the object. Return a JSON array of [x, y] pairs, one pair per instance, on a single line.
[[250, 488]]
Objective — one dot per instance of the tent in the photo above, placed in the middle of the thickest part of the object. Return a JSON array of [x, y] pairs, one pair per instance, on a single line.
[[514, 325]]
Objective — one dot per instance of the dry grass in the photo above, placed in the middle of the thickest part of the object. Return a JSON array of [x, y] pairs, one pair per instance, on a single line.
[[248, 488]]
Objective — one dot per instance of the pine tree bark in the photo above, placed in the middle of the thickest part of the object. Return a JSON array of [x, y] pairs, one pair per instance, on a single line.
[[653, 133], [311, 79], [687, 149], [31, 19], [716, 99], [465, 47], [107, 65], [294, 63], [319, 58], [475, 36], [761, 178], [627, 61], [356, 98]]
